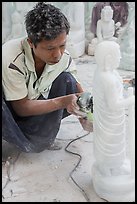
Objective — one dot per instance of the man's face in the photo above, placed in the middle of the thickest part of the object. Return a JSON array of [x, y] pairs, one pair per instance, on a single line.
[[50, 51]]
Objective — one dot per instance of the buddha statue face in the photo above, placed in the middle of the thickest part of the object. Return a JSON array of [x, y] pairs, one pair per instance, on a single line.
[[108, 55], [107, 13]]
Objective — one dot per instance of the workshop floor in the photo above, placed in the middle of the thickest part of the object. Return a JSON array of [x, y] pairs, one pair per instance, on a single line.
[[52, 176]]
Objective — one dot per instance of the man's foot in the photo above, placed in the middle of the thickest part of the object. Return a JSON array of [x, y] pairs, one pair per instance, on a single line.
[[55, 146]]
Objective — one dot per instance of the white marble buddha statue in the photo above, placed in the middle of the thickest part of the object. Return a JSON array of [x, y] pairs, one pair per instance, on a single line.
[[105, 29], [74, 12], [111, 170], [106, 25]]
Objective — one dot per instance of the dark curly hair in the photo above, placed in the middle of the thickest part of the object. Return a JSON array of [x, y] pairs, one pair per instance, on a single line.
[[45, 21]]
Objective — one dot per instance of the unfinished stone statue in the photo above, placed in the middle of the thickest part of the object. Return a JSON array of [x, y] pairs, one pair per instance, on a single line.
[[111, 171], [13, 19], [105, 29], [76, 38], [6, 21], [17, 29], [120, 13], [127, 41]]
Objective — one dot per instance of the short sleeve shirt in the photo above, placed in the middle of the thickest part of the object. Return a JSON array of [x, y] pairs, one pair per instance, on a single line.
[[19, 78]]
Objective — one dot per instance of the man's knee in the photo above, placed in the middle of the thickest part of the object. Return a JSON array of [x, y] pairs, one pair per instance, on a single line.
[[67, 77], [64, 84]]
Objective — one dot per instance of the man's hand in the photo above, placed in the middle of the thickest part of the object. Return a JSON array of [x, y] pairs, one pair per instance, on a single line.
[[73, 107], [86, 124]]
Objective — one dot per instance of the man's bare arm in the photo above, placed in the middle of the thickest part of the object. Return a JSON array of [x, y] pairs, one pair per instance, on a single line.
[[26, 107], [79, 87]]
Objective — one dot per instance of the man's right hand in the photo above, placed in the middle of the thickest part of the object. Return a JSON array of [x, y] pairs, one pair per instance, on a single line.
[[72, 106]]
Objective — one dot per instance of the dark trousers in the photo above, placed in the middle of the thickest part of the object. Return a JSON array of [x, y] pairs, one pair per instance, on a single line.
[[35, 133]]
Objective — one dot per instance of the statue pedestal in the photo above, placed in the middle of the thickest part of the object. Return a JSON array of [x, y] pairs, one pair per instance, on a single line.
[[120, 188]]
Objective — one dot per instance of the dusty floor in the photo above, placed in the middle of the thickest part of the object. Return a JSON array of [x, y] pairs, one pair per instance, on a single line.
[[55, 176]]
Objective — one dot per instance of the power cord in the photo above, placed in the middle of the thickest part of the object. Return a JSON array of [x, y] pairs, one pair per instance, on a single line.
[[80, 157]]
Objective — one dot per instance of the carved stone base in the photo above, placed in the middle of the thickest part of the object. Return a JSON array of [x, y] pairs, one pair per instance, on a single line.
[[113, 188]]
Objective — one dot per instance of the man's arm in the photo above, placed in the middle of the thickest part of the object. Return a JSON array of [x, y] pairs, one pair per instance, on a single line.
[[26, 107], [79, 87]]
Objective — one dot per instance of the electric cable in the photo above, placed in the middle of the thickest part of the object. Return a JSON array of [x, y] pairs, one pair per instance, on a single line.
[[80, 157]]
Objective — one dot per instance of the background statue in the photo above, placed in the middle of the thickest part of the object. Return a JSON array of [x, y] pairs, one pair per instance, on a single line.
[[6, 20], [105, 28], [120, 10], [13, 19], [96, 15], [127, 41], [112, 168], [17, 28], [76, 38], [106, 25]]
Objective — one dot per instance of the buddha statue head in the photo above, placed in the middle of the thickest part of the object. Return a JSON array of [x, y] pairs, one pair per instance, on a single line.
[[107, 13]]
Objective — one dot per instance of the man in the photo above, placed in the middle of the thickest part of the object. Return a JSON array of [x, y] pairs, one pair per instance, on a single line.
[[39, 82]]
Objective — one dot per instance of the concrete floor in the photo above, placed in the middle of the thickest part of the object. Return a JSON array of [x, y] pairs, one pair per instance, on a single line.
[[45, 176]]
